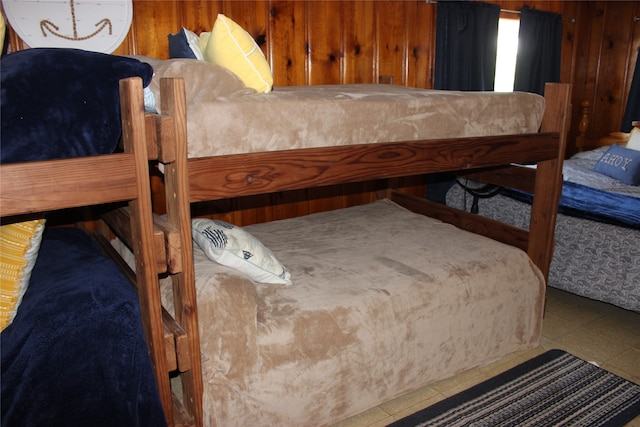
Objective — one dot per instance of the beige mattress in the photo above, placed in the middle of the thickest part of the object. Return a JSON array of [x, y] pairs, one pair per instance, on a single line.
[[225, 117], [383, 302]]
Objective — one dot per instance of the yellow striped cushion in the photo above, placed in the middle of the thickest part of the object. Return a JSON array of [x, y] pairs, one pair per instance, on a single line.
[[3, 28], [19, 245]]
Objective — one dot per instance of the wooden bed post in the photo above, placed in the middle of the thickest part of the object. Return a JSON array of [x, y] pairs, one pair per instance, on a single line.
[[135, 142], [548, 184], [179, 216]]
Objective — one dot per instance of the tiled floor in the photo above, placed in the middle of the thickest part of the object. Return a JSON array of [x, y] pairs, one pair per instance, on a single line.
[[591, 330]]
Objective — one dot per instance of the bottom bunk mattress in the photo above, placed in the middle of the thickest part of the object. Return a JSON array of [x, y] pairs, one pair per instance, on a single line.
[[75, 354], [382, 302]]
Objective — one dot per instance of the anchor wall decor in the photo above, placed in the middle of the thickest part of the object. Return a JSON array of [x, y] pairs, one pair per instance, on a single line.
[[48, 26], [97, 25]]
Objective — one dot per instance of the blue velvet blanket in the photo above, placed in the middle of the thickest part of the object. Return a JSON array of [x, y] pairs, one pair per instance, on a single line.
[[592, 195], [592, 203], [76, 355], [60, 103]]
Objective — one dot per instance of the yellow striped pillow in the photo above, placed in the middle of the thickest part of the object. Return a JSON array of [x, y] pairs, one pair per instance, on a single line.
[[19, 245], [3, 28]]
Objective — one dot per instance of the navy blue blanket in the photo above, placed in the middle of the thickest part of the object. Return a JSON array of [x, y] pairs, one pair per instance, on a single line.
[[592, 195], [76, 355], [60, 103], [592, 203]]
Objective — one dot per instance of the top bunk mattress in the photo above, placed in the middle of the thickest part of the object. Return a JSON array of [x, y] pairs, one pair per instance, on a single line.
[[224, 117]]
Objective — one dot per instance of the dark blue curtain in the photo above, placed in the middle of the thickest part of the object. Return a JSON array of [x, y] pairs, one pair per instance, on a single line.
[[632, 112], [466, 45], [539, 50]]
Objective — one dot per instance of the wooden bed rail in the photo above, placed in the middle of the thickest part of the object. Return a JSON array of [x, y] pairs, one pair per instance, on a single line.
[[544, 181], [297, 169], [173, 341], [134, 133], [548, 185], [173, 104], [50, 187]]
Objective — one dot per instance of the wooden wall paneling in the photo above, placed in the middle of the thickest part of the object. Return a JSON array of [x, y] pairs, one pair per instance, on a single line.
[[287, 43], [391, 40], [287, 204], [591, 26], [152, 22], [244, 13], [632, 55], [581, 41], [218, 209], [568, 65], [324, 41], [605, 30], [126, 48], [358, 42], [617, 34], [517, 5], [325, 65], [511, 5], [200, 15], [252, 16], [421, 55], [410, 32], [547, 5]]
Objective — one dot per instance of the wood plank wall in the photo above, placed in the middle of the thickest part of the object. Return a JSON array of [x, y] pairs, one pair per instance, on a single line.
[[307, 42], [607, 43], [364, 41]]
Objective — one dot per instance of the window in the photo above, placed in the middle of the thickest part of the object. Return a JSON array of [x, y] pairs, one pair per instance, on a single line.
[[506, 57]]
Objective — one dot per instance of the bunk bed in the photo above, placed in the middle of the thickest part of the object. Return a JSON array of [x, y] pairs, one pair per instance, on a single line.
[[365, 303], [596, 252], [79, 345]]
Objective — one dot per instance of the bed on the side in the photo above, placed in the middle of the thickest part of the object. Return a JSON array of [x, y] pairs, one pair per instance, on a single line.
[[597, 254], [313, 319], [80, 344]]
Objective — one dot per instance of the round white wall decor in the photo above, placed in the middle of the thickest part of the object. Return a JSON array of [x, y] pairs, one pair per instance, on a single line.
[[95, 25]]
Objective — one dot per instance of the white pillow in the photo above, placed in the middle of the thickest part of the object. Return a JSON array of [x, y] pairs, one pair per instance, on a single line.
[[634, 139], [229, 245], [193, 40]]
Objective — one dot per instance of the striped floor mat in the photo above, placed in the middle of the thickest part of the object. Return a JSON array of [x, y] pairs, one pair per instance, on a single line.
[[553, 389]]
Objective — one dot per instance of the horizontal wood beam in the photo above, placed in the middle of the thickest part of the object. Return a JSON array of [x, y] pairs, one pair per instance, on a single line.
[[477, 224], [227, 176], [66, 183]]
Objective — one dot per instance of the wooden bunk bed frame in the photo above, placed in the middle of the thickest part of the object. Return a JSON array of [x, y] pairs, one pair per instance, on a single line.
[[43, 186], [166, 246], [491, 159]]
